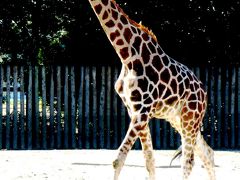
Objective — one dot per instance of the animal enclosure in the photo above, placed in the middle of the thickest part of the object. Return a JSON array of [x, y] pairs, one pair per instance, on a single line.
[[76, 107]]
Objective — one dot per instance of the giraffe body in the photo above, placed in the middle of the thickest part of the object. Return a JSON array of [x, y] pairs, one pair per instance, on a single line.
[[153, 85]]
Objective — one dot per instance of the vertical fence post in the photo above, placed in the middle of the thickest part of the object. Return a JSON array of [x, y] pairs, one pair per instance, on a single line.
[[66, 130], [36, 108], [238, 107], [87, 108], [115, 111], [8, 109], [59, 124], [52, 141], [94, 107], [212, 110], [73, 109], [157, 133], [226, 109], [232, 105], [44, 116], [219, 108], [29, 109], [80, 109], [1, 106], [15, 108], [171, 137], [102, 110], [165, 134], [22, 109], [109, 102]]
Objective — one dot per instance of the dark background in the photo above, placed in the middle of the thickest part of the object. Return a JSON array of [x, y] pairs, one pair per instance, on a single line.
[[194, 32]]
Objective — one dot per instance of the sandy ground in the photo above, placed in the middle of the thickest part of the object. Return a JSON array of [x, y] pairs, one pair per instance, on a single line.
[[96, 164]]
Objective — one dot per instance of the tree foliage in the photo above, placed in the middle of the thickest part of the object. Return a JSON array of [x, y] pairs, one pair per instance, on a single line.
[[67, 31]]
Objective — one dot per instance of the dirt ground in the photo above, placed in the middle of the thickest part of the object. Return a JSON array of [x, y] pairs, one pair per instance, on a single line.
[[96, 165]]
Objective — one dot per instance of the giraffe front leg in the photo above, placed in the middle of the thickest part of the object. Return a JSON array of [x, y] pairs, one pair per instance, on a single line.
[[123, 150], [146, 141]]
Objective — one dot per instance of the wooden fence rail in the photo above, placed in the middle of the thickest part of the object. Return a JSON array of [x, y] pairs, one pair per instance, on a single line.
[[62, 107]]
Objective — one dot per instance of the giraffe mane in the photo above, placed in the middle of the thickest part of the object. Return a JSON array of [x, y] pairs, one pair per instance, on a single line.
[[138, 25]]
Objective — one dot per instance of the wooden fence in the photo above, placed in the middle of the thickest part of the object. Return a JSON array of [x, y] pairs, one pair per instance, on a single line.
[[56, 107]]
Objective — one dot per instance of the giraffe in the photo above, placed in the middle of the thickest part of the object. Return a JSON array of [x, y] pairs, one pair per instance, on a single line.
[[153, 85]]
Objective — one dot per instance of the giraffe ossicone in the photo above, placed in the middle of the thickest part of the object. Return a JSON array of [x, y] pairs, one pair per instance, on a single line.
[[153, 85]]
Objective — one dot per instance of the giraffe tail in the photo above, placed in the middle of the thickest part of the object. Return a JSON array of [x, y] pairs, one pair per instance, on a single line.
[[177, 154]]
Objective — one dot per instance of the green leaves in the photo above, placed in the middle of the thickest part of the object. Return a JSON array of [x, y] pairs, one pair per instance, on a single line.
[[60, 31]]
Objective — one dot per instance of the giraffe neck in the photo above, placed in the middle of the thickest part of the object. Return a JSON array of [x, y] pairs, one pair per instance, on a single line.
[[125, 35]]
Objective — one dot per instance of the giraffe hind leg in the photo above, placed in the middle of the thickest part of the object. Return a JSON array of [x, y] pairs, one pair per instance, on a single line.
[[187, 157], [206, 154]]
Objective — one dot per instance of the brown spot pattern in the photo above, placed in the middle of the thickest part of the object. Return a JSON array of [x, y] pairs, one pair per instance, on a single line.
[[124, 53], [105, 15], [145, 54], [113, 5], [119, 42], [123, 20], [148, 100], [152, 74], [98, 8], [110, 24], [145, 110], [138, 67], [151, 47], [105, 2], [133, 51], [120, 26], [143, 84], [137, 107], [192, 105], [161, 88], [114, 15], [127, 34], [155, 93], [144, 117], [114, 35], [165, 60], [129, 65], [181, 89], [137, 43], [171, 100], [165, 76], [132, 134], [173, 70], [159, 50], [136, 96], [156, 62], [150, 87], [200, 107], [145, 36], [173, 85], [133, 29]]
